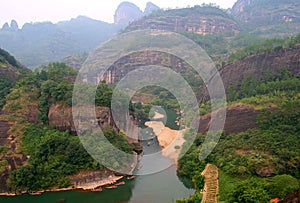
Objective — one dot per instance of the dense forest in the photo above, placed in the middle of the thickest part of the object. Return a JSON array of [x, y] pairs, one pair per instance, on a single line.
[[54, 155]]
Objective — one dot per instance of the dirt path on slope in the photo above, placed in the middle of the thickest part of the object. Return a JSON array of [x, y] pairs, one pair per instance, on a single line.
[[211, 186]]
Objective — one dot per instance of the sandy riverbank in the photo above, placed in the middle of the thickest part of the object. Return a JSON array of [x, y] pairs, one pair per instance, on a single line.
[[158, 115], [168, 139]]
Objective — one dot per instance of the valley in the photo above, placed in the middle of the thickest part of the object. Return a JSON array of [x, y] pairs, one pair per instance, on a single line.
[[49, 138]]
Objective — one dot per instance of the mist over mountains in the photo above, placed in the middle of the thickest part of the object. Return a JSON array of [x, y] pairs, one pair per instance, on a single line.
[[40, 43]]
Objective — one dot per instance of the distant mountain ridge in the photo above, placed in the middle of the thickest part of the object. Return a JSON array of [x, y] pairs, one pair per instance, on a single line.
[[40, 43]]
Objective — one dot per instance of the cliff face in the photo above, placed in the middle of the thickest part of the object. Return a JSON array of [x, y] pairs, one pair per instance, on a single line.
[[150, 7], [62, 119], [240, 5], [130, 62], [239, 118], [257, 66], [201, 20], [127, 12]]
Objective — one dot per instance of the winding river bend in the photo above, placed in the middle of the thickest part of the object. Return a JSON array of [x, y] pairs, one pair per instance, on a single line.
[[162, 187]]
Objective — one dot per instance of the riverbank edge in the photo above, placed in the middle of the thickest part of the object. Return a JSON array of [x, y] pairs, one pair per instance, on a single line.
[[108, 181]]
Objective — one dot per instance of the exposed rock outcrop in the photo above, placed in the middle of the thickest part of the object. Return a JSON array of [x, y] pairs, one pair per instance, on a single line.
[[61, 118], [239, 118], [201, 20], [240, 5], [150, 7], [257, 66], [127, 12]]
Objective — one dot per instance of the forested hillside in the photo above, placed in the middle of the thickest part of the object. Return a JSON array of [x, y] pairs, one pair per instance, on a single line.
[[35, 155], [261, 162]]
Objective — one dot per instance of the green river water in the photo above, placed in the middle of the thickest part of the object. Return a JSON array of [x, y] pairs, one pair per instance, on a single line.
[[162, 187]]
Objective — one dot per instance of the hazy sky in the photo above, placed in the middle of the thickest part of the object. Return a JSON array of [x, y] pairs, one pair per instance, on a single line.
[[57, 10]]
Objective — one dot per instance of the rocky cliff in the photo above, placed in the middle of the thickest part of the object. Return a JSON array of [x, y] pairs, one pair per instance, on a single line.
[[150, 7], [201, 20], [257, 66], [127, 12], [62, 119], [239, 118]]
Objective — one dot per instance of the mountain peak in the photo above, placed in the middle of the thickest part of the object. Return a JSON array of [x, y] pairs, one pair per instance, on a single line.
[[150, 7], [12, 27], [127, 12]]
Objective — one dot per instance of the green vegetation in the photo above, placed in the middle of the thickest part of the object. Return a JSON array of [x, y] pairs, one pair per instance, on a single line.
[[261, 163], [215, 45], [271, 83], [56, 82], [5, 85], [204, 9], [5, 56], [53, 156], [266, 46]]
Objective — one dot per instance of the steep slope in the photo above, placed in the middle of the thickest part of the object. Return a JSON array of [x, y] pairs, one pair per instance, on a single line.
[[10, 71], [10, 67]]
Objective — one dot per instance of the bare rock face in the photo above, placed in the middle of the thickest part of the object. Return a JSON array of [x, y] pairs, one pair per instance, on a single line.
[[62, 118], [150, 7], [239, 118], [256, 66], [240, 5], [200, 20], [127, 12]]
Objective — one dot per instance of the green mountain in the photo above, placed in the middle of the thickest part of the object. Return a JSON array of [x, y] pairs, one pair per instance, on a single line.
[[10, 71], [41, 43], [273, 18]]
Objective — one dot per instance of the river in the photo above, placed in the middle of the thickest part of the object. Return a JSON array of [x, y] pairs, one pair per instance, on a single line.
[[162, 187]]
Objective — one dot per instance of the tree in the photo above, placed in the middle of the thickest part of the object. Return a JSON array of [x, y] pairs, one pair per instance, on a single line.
[[251, 191]]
